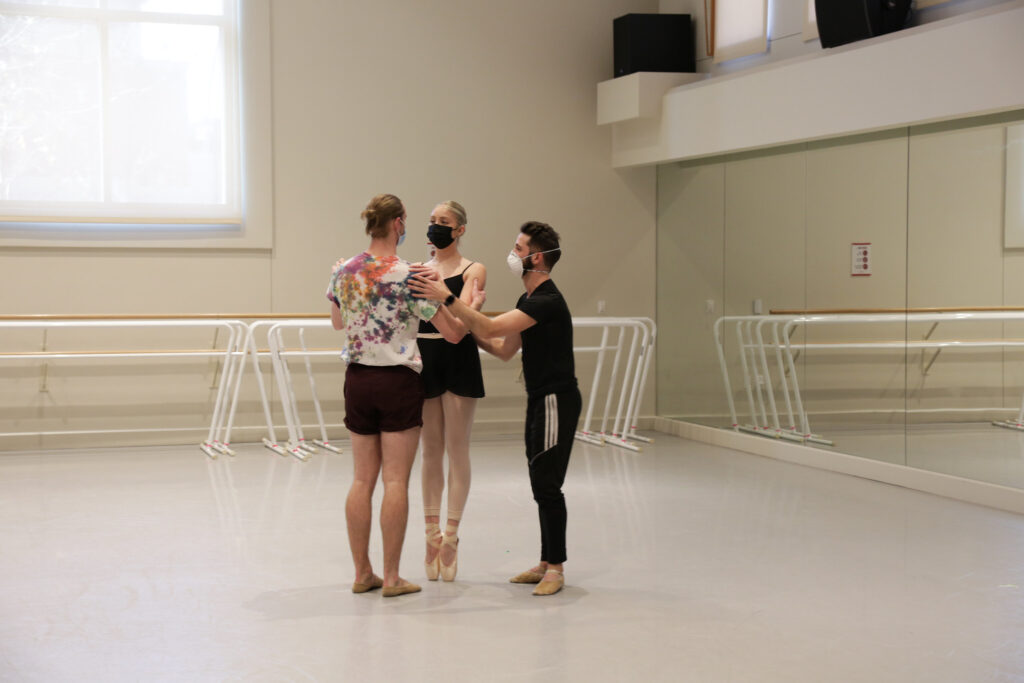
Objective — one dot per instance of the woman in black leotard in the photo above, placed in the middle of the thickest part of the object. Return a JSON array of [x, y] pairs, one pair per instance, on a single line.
[[452, 383]]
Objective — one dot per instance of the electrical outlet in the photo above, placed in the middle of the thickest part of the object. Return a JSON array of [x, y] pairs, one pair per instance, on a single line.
[[600, 306], [860, 255]]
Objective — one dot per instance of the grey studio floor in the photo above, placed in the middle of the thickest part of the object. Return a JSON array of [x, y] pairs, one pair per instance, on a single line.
[[687, 562]]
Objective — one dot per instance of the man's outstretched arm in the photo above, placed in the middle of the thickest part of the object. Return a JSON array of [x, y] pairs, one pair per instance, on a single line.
[[427, 283]]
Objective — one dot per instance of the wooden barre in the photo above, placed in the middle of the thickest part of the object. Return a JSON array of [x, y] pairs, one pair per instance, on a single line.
[[46, 317], [903, 342], [142, 352], [146, 352], [843, 311]]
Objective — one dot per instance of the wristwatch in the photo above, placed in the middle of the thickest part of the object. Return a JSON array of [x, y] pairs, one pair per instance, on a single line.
[[450, 300]]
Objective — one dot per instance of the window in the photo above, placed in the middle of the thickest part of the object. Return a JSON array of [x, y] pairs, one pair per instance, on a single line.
[[741, 28], [123, 118], [810, 31]]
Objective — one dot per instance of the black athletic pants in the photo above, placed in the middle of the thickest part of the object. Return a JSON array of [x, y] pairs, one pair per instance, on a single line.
[[550, 431]]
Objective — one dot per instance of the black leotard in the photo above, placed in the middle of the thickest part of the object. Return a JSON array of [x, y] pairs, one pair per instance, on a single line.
[[447, 366]]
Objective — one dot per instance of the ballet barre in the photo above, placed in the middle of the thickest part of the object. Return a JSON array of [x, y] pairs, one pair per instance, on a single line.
[[626, 345], [757, 337], [629, 340], [622, 431], [228, 356]]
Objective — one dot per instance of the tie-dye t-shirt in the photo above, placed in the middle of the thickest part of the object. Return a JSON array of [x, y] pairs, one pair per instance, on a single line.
[[378, 310]]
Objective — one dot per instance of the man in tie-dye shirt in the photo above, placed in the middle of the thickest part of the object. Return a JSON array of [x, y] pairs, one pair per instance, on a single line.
[[379, 314], [372, 305]]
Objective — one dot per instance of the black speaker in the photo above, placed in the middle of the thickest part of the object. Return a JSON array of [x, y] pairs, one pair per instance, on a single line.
[[846, 21], [653, 42]]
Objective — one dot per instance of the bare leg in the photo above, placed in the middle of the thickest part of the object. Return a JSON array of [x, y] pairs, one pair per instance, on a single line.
[[397, 452], [366, 458], [458, 423], [432, 469]]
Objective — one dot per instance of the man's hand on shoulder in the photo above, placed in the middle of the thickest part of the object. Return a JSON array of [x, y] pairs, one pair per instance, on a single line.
[[426, 282]]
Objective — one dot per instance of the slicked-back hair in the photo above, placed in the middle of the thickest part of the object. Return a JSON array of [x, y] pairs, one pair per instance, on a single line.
[[458, 210]]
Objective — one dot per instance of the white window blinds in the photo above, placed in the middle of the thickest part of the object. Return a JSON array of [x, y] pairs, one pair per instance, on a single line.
[[741, 28], [810, 30]]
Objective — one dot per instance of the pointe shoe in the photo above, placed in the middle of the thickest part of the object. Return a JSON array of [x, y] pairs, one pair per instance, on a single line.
[[448, 571], [374, 582], [434, 539], [550, 587], [529, 576], [400, 589]]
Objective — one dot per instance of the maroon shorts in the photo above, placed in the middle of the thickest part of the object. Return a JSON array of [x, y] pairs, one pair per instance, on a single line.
[[382, 399]]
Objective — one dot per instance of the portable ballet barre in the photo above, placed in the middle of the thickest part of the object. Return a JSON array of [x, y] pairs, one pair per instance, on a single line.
[[230, 355], [634, 378], [231, 372], [757, 377], [637, 353]]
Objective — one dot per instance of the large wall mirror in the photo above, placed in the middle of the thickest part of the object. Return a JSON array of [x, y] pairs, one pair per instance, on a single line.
[[863, 295]]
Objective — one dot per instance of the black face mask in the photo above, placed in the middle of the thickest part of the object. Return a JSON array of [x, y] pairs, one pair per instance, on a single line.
[[440, 235]]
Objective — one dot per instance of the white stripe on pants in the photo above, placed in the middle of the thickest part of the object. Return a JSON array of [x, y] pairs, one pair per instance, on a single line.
[[550, 421]]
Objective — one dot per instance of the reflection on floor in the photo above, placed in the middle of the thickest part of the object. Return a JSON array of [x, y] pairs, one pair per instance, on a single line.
[[973, 450], [687, 563]]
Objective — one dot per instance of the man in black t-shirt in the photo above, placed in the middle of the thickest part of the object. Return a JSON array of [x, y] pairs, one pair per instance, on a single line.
[[541, 326]]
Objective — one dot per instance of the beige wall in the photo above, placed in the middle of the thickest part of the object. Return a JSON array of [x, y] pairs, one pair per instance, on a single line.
[[778, 226], [491, 104]]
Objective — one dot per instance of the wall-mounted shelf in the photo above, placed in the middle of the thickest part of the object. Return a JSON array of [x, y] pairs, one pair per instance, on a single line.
[[637, 96]]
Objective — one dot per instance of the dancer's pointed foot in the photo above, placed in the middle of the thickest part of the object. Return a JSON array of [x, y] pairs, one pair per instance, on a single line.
[[432, 562], [449, 547]]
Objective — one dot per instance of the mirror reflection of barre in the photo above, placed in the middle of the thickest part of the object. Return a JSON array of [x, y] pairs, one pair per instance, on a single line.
[[764, 344], [626, 344]]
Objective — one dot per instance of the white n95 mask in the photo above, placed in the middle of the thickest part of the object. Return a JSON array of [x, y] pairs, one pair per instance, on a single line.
[[515, 264]]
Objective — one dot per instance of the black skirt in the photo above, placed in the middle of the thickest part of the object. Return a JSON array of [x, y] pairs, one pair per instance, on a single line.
[[451, 367]]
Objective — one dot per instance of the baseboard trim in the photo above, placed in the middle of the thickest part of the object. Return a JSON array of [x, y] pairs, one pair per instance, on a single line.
[[242, 434], [945, 485]]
